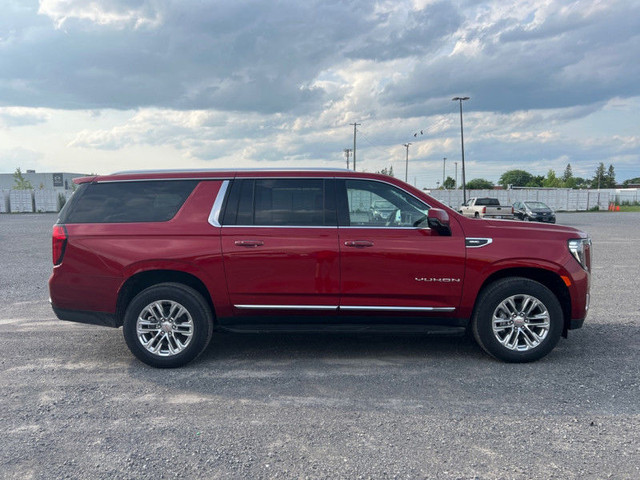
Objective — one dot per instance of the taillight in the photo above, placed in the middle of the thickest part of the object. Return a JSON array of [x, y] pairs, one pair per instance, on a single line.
[[58, 243], [512, 211], [484, 209]]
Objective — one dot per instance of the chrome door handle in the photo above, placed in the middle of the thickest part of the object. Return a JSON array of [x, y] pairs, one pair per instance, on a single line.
[[359, 243], [249, 243]]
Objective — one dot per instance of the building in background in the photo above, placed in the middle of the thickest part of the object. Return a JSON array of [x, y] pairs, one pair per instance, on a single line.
[[59, 181], [49, 193]]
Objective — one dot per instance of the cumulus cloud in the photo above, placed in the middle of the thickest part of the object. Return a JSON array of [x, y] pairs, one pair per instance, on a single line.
[[256, 81], [20, 116]]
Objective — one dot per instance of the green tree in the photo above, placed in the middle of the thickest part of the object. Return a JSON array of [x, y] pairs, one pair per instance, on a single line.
[[536, 181], [599, 177], [610, 178], [19, 182], [479, 184], [386, 171], [551, 181], [449, 183], [516, 178], [568, 173], [579, 182], [631, 181]]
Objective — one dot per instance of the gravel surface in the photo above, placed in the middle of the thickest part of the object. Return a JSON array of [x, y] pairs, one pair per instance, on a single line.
[[76, 404]]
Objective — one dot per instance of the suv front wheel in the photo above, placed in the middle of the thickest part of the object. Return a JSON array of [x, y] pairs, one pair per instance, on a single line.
[[517, 320], [167, 325]]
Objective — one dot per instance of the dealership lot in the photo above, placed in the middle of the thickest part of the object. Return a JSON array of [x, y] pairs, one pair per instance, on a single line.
[[76, 402]]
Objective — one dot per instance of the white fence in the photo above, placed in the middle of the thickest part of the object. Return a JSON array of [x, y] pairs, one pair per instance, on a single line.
[[21, 201], [46, 201], [559, 199], [4, 201]]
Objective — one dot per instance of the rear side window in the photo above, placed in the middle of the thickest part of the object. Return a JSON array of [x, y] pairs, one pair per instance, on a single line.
[[281, 202], [125, 202]]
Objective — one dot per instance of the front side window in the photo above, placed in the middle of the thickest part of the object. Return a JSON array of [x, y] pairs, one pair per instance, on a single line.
[[379, 204], [281, 203]]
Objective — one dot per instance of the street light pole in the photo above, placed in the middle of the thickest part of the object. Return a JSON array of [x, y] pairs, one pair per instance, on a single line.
[[406, 166], [464, 183], [444, 166], [347, 152], [354, 143], [456, 179]]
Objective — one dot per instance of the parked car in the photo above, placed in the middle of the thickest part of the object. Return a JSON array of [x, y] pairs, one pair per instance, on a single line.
[[485, 208], [534, 212], [176, 257]]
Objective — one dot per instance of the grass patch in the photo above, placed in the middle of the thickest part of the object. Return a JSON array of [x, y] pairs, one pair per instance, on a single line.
[[630, 208]]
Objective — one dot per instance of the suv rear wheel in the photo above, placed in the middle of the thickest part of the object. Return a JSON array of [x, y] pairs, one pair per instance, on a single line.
[[167, 325], [517, 320]]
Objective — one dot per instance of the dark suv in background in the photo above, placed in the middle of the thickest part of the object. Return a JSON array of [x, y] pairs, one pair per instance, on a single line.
[[531, 211], [175, 256]]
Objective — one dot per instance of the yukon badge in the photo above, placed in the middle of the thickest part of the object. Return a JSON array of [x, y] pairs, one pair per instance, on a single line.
[[439, 280]]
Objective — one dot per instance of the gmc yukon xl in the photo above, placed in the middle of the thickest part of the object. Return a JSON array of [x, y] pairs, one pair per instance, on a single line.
[[173, 257]]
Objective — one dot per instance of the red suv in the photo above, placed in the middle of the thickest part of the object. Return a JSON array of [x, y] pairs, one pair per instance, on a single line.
[[173, 257]]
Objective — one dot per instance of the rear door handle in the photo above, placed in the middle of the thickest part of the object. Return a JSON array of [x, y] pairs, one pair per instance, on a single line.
[[249, 243], [359, 243]]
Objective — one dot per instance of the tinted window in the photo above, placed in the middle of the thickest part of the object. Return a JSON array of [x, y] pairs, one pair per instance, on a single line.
[[121, 202], [488, 201], [281, 202], [379, 204]]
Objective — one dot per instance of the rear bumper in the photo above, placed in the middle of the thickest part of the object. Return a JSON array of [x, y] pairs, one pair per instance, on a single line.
[[102, 319]]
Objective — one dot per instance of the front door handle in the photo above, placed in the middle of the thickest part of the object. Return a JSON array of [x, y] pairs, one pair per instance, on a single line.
[[359, 243], [249, 243]]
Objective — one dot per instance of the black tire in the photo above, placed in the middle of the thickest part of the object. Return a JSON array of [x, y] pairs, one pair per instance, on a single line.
[[476, 215], [522, 329], [195, 318], [526, 218]]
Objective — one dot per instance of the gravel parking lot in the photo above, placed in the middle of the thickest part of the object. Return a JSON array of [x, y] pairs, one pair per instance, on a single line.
[[76, 404]]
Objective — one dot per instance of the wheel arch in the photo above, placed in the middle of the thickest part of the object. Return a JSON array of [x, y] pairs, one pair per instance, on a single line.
[[549, 279], [142, 280]]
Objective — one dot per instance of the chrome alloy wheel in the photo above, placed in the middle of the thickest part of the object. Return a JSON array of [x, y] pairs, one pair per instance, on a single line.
[[521, 322], [164, 328]]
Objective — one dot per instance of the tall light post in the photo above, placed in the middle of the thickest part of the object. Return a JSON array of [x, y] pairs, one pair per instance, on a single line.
[[464, 183], [347, 152], [455, 185], [354, 143], [444, 166], [406, 166]]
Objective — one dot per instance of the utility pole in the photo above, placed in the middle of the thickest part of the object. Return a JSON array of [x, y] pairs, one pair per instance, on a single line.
[[456, 179], [444, 165], [406, 167], [354, 144], [464, 183], [347, 152]]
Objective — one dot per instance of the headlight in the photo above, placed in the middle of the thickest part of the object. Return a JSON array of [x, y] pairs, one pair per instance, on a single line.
[[580, 248]]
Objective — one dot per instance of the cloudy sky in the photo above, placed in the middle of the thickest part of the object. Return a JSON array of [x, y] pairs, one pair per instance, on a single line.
[[108, 85]]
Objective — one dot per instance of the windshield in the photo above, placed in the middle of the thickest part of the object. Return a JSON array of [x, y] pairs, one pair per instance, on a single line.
[[536, 205]]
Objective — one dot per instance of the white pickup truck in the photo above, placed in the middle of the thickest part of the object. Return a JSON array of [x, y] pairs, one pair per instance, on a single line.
[[485, 208]]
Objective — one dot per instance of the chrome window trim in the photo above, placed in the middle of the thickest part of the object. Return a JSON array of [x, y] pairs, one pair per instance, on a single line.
[[288, 307], [214, 215], [396, 309], [315, 178], [129, 180], [488, 241]]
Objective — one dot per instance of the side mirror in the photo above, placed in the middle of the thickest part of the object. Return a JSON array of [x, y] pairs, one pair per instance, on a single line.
[[438, 220]]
